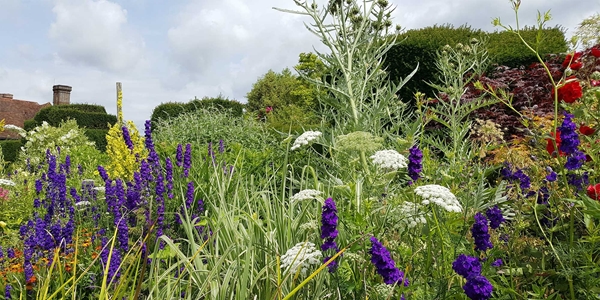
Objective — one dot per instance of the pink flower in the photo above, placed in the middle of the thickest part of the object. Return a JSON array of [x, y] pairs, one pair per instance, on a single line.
[[269, 109]]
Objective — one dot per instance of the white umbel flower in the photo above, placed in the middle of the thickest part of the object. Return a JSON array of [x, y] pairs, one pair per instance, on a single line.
[[411, 214], [305, 138], [301, 257], [439, 195], [305, 195], [6, 182], [389, 159]]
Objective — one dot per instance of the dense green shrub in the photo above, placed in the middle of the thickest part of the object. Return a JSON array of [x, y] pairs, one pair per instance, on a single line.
[[10, 149], [419, 47], [98, 136], [93, 120], [172, 110], [29, 125], [507, 49], [93, 108]]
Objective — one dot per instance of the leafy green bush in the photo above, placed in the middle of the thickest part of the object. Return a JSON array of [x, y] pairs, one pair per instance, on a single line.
[[54, 115], [92, 108], [98, 136], [171, 110], [419, 46], [10, 149], [507, 49], [29, 124]]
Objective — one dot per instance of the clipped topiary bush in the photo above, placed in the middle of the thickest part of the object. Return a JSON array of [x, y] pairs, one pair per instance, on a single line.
[[172, 110], [98, 136], [506, 49], [54, 115], [419, 47]]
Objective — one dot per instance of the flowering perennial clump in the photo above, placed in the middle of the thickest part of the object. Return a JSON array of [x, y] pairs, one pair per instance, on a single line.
[[466, 266], [305, 138], [386, 267], [300, 258], [389, 159], [305, 195], [439, 195]]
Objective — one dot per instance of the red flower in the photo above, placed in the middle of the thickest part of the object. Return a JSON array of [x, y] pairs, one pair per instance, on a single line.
[[571, 59], [595, 52], [594, 191], [269, 109], [550, 145], [570, 91], [576, 66], [595, 82], [586, 130]]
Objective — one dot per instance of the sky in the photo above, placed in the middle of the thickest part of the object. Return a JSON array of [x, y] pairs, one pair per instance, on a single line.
[[172, 51]]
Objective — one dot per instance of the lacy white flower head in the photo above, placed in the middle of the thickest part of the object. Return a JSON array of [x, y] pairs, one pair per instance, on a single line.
[[18, 129], [305, 195], [389, 159], [305, 138], [6, 182], [410, 214], [100, 189], [439, 195], [301, 257]]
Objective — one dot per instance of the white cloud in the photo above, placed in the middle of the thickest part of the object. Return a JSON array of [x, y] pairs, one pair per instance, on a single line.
[[95, 33]]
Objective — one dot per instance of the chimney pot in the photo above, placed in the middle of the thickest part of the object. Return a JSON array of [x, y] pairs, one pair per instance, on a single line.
[[6, 96], [62, 94]]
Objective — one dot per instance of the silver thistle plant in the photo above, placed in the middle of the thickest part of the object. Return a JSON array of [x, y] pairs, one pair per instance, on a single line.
[[357, 34]]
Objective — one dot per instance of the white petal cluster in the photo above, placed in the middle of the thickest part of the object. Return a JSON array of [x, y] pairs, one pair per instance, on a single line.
[[100, 189], [16, 128], [305, 195], [411, 214], [389, 159], [305, 138], [302, 256], [439, 195], [6, 182]]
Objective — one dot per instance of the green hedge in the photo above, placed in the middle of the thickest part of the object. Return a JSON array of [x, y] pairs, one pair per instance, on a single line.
[[54, 115], [173, 109], [97, 136], [92, 108], [10, 149], [29, 125], [419, 46]]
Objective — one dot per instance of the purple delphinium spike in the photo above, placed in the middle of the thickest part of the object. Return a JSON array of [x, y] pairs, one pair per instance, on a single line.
[[187, 160], [7, 290], [1, 253], [68, 164], [568, 135], [221, 146], [415, 166], [10, 253], [103, 173], [179, 156], [39, 184], [385, 265], [466, 266], [480, 233], [127, 138], [329, 220], [478, 288], [497, 263], [494, 214]]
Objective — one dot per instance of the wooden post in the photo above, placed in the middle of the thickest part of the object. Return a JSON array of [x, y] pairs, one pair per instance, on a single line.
[[119, 103]]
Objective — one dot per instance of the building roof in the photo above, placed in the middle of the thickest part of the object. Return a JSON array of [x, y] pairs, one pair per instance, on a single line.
[[16, 112]]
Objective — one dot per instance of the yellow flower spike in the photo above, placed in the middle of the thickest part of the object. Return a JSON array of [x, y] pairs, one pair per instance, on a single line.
[[124, 161]]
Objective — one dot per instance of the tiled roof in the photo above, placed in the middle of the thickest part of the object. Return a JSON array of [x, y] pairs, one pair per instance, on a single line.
[[15, 112]]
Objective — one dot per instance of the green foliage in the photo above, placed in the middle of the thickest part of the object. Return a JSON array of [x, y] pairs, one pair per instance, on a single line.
[[165, 111], [507, 49], [54, 115], [92, 108], [219, 103], [419, 46], [588, 31], [29, 124], [98, 137], [11, 149]]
